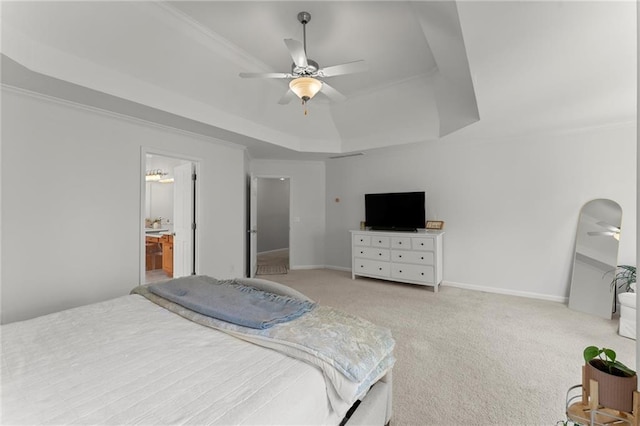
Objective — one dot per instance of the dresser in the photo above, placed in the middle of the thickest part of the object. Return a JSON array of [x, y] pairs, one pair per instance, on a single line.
[[408, 257]]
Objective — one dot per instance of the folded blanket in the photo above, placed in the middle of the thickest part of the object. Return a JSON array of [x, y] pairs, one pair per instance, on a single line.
[[351, 352], [232, 302]]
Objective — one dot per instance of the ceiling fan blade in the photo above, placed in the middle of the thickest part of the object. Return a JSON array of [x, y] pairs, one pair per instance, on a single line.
[[287, 97], [332, 93], [296, 50], [265, 75], [601, 233], [608, 226], [348, 68]]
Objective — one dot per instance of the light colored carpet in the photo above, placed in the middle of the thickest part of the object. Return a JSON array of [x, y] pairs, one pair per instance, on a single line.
[[471, 358]]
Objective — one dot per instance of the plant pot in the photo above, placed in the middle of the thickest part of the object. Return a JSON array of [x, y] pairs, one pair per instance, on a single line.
[[615, 392]]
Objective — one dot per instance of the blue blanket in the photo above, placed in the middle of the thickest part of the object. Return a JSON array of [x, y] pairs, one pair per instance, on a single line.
[[232, 302]]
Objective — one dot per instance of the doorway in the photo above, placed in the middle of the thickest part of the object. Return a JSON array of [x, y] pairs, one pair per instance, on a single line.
[[270, 226], [169, 218]]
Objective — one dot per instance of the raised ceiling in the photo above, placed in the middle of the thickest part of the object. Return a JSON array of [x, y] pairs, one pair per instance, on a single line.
[[436, 69]]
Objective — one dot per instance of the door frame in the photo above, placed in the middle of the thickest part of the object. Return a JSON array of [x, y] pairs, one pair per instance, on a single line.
[[250, 219], [144, 151]]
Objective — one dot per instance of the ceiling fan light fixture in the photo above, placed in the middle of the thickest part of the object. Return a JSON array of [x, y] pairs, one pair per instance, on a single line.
[[305, 87], [304, 71]]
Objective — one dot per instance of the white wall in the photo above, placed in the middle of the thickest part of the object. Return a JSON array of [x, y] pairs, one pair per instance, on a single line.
[[510, 207], [68, 171], [307, 212], [273, 214]]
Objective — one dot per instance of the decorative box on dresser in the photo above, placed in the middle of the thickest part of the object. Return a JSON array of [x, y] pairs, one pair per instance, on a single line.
[[408, 257]]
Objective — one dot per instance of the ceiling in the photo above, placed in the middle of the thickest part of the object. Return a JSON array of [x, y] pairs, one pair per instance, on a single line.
[[436, 70]]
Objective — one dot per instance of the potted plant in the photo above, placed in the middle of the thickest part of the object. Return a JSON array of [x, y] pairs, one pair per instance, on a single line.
[[624, 277], [616, 381]]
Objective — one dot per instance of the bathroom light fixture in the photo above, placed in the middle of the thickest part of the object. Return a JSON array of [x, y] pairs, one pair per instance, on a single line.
[[154, 175]]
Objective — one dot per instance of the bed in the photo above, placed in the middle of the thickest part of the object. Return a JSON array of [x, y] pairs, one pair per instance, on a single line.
[[146, 359]]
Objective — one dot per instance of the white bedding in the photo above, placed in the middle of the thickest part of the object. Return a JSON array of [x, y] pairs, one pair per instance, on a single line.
[[131, 361]]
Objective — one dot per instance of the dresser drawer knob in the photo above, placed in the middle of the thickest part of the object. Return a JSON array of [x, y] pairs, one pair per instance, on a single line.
[[361, 252], [399, 255], [400, 242], [421, 273], [400, 271], [380, 269], [380, 241], [421, 257]]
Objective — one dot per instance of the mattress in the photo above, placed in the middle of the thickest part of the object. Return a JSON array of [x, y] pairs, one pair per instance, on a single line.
[[131, 361]]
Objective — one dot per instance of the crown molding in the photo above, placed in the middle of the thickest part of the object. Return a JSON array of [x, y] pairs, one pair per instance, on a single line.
[[115, 115]]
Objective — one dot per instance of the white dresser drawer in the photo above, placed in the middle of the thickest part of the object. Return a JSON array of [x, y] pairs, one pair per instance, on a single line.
[[371, 267], [420, 273], [379, 241], [401, 243], [361, 240], [422, 258], [411, 257], [418, 243], [372, 253]]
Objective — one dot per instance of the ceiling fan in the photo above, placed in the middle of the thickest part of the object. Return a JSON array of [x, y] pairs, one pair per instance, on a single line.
[[612, 231], [306, 73]]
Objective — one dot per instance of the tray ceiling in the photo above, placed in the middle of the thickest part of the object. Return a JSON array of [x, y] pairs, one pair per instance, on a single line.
[[436, 69]]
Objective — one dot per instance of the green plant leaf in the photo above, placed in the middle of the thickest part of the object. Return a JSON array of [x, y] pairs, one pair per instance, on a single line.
[[620, 366], [590, 352], [624, 276], [610, 353]]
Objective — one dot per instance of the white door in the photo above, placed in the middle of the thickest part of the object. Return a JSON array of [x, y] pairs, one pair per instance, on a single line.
[[253, 225], [183, 220]]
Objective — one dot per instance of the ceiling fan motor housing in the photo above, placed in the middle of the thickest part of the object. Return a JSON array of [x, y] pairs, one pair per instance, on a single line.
[[310, 70], [304, 17]]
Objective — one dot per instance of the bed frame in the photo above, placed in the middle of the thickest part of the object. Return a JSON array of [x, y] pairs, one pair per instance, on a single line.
[[375, 408]]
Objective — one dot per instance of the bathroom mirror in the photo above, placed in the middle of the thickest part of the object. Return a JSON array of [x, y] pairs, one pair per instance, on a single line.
[[596, 257]]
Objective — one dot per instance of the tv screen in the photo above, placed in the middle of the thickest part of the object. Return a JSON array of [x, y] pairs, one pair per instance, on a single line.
[[399, 211]]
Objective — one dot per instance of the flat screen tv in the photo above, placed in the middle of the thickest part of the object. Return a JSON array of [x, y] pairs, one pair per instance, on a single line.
[[395, 211]]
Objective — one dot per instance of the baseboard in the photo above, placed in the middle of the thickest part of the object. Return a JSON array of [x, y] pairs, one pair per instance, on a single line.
[[464, 286], [294, 267], [335, 268], [338, 268], [496, 290]]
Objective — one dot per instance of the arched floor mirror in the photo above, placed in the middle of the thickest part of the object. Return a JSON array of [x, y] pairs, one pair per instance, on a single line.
[[596, 258]]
